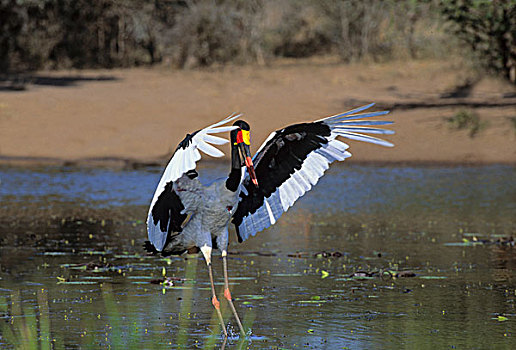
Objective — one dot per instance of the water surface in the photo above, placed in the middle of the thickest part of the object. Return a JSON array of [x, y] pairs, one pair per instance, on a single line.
[[82, 280]]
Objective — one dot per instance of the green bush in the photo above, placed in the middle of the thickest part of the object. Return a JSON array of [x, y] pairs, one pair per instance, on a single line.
[[489, 28], [466, 120]]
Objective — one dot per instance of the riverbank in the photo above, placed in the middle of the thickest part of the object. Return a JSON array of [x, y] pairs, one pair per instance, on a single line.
[[136, 117]]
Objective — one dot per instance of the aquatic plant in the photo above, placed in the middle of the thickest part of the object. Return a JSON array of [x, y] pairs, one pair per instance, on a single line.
[[28, 327]]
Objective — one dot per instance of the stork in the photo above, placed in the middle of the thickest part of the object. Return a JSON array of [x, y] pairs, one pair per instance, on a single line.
[[184, 215]]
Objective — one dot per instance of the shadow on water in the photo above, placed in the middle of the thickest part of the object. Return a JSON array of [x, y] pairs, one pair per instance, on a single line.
[[396, 257]]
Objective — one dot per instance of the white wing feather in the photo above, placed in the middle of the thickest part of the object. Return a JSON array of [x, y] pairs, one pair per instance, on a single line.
[[183, 160]]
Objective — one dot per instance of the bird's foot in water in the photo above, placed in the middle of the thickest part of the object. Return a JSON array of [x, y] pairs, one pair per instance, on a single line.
[[234, 333]]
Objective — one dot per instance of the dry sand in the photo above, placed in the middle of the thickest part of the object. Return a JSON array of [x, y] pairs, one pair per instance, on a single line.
[[139, 115]]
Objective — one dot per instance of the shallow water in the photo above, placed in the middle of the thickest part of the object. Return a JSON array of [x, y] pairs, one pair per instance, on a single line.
[[450, 227]]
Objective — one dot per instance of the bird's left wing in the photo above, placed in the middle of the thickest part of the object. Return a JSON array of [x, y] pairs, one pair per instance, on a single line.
[[293, 159], [167, 211]]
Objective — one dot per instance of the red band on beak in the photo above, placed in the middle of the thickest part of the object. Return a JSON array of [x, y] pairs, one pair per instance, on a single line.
[[250, 167], [239, 139], [248, 162]]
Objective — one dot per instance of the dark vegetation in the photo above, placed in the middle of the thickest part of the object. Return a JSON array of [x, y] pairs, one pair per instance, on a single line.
[[121, 33], [466, 120], [489, 28], [53, 34]]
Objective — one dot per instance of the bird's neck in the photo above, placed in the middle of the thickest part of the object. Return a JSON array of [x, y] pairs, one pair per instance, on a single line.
[[235, 175]]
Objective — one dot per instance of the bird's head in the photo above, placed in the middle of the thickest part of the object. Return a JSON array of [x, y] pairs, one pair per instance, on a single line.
[[240, 144]]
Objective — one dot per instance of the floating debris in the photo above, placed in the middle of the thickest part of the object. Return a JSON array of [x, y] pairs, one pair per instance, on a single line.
[[401, 274], [167, 281], [95, 278], [140, 277], [325, 254], [89, 266], [241, 278], [56, 253], [471, 239], [299, 255], [501, 318], [95, 252], [364, 274], [248, 297], [129, 256], [62, 280], [312, 301]]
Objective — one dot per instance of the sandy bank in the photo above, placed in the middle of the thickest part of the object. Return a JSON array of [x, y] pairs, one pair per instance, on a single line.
[[139, 115]]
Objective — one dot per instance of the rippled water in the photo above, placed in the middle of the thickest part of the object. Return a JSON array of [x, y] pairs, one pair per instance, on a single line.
[[449, 227]]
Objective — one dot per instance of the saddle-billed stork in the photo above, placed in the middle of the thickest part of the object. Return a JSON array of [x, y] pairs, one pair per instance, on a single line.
[[185, 215]]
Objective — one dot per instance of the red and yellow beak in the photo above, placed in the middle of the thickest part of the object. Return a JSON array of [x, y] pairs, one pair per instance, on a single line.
[[244, 142]]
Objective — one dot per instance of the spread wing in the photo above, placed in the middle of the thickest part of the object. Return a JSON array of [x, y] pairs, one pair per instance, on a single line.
[[170, 205], [293, 159]]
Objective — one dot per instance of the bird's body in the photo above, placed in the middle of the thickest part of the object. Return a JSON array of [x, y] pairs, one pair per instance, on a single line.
[[186, 215], [210, 209]]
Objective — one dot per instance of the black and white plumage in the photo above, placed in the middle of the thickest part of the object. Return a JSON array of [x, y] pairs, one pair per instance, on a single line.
[[171, 204], [184, 214], [293, 159]]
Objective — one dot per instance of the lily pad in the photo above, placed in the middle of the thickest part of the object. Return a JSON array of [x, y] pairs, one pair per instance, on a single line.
[[312, 301], [465, 243], [140, 277], [251, 297], [128, 256], [94, 252]]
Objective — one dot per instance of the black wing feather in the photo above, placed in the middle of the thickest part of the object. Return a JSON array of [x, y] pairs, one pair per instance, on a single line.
[[167, 208], [281, 156]]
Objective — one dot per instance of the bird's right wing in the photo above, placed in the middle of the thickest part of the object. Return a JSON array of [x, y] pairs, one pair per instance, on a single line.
[[293, 159], [168, 207]]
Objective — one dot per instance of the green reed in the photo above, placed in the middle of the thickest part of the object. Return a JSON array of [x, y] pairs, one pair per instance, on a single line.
[[28, 326]]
